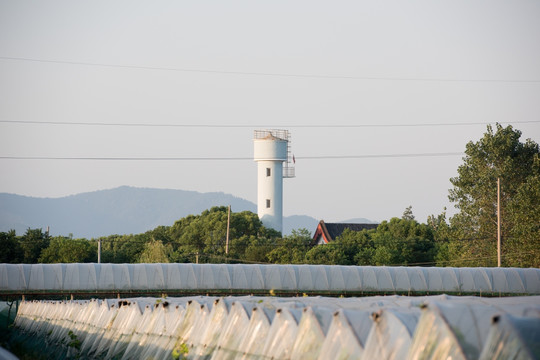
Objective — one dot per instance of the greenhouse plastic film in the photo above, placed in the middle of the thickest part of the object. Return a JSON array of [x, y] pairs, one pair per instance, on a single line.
[[210, 336], [391, 335], [281, 328], [233, 332], [459, 328], [511, 337], [255, 277], [282, 334], [347, 335], [252, 344], [312, 330], [434, 340]]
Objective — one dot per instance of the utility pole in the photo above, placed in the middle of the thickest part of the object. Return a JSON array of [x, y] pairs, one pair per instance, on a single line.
[[99, 251], [228, 229], [498, 222]]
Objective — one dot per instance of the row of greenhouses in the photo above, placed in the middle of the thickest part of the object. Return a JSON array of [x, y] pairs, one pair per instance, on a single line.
[[250, 327], [255, 278]]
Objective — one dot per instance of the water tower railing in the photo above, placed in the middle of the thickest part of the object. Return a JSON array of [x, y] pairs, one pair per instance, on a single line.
[[263, 134], [288, 171]]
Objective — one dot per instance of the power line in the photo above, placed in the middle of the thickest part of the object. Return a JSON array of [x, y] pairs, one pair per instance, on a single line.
[[86, 158], [285, 241], [116, 241], [463, 260], [251, 126], [271, 74], [321, 157], [374, 156]]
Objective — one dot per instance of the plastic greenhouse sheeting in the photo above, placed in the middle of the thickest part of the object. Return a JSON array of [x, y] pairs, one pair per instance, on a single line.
[[233, 331], [282, 333], [312, 331], [6, 355], [252, 344], [8, 311], [250, 327], [23, 278], [513, 337], [391, 334], [347, 335], [458, 329], [210, 334]]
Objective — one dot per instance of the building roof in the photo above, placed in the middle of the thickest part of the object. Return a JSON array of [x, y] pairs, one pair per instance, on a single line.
[[327, 232]]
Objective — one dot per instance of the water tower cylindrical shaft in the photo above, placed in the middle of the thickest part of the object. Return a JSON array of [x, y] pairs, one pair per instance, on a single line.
[[270, 152]]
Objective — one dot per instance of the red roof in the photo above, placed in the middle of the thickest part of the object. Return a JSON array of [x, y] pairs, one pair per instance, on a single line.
[[330, 231]]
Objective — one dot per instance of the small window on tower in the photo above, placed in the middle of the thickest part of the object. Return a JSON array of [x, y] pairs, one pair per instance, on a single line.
[[268, 172], [267, 203]]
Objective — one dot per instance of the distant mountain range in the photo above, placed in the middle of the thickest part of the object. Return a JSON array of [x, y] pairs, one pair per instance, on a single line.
[[123, 210]]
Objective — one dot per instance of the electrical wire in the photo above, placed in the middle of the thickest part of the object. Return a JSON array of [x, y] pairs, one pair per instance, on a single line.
[[251, 126], [491, 257], [319, 157], [85, 158], [281, 242], [271, 74], [113, 239], [375, 156]]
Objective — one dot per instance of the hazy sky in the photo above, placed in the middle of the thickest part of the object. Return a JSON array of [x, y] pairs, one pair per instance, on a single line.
[[236, 66]]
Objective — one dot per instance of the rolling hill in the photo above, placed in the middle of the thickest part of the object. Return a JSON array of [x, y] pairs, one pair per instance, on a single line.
[[123, 210]]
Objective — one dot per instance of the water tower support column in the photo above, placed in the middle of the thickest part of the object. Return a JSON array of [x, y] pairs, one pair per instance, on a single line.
[[270, 152]]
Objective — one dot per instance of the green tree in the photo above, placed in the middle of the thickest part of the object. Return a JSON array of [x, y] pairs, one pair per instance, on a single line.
[[238, 246], [123, 248], [32, 243], [403, 242], [206, 232], [12, 251], [328, 254], [206, 235], [184, 254], [357, 246], [161, 233], [525, 234], [499, 154], [408, 214], [258, 250], [291, 249], [395, 242], [445, 249], [66, 250], [155, 252]]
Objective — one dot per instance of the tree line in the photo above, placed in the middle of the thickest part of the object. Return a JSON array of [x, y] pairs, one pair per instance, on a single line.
[[468, 238], [202, 238]]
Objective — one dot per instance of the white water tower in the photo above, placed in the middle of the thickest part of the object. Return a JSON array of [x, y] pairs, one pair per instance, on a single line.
[[273, 156]]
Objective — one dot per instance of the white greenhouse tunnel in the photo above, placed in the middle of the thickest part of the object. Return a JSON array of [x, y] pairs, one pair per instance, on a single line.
[[185, 279], [251, 327], [387, 312]]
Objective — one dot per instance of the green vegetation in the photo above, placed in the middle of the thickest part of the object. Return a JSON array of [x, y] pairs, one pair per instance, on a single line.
[[466, 239], [74, 341], [66, 250], [180, 352], [472, 233]]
